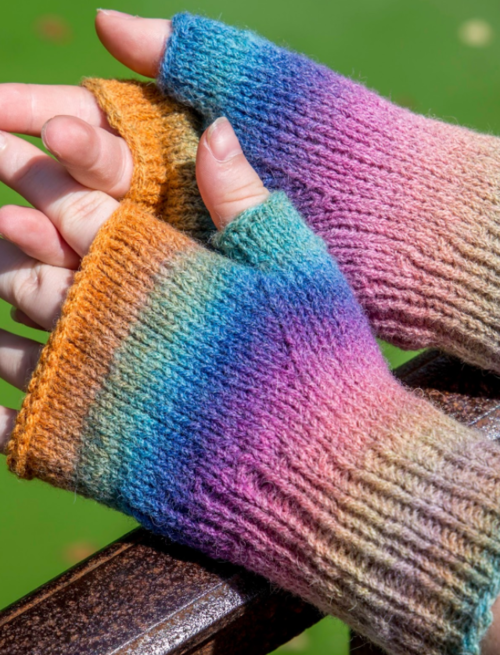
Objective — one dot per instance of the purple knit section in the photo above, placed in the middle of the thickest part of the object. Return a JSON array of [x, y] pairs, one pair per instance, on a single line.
[[408, 205]]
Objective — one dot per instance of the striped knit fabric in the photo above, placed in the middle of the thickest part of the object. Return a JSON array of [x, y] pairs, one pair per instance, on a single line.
[[234, 399], [407, 205], [163, 138]]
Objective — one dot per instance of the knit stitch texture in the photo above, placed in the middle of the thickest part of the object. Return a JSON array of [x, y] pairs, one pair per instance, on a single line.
[[234, 400], [163, 138], [408, 205]]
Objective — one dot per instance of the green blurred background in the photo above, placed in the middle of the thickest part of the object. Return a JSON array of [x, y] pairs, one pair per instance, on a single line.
[[438, 57]]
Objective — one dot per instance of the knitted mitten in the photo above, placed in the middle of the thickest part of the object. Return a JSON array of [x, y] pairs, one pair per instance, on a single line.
[[163, 138], [235, 400], [408, 205]]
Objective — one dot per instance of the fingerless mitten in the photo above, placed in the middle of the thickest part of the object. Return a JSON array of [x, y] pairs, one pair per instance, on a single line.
[[408, 205], [234, 400], [163, 137]]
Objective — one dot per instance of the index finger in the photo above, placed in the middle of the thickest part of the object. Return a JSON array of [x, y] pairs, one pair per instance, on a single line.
[[25, 108]]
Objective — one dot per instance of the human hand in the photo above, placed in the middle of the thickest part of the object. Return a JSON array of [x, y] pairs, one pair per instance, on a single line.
[[76, 131], [37, 267], [68, 118]]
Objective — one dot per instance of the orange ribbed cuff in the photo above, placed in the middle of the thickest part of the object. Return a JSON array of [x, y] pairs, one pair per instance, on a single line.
[[163, 138]]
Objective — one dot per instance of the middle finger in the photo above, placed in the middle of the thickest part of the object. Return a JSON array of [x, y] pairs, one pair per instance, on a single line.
[[25, 108], [18, 358]]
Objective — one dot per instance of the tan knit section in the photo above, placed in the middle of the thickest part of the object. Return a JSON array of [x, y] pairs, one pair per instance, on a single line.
[[108, 292], [163, 137]]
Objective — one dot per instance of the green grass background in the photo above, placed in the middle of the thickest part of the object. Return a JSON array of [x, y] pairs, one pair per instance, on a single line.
[[409, 50]]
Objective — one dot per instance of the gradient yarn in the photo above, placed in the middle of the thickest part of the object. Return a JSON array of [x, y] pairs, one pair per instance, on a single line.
[[407, 205], [234, 400], [163, 137]]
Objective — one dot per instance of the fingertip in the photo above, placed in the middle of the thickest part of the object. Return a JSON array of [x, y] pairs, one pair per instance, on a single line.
[[36, 236], [20, 317], [138, 43], [114, 12], [49, 138], [94, 157], [66, 137], [7, 422]]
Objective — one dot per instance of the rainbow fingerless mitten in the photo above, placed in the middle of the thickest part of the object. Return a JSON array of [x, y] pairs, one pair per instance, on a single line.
[[233, 398], [409, 206]]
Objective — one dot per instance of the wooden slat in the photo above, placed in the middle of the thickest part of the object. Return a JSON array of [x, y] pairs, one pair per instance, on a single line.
[[143, 594]]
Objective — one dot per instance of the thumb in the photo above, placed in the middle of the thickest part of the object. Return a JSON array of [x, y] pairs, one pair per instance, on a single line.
[[137, 42], [227, 182]]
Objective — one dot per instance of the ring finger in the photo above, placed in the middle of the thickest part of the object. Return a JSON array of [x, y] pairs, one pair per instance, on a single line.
[[92, 155], [36, 289], [18, 358], [36, 236]]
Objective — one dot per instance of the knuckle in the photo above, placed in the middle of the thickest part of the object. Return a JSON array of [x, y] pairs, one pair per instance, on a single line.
[[38, 171], [250, 190], [79, 206], [28, 283], [240, 198]]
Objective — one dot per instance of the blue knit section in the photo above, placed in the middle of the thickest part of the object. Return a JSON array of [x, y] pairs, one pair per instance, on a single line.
[[265, 91], [212, 342]]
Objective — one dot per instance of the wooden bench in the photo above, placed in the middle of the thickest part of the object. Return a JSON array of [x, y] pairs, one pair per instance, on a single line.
[[144, 595]]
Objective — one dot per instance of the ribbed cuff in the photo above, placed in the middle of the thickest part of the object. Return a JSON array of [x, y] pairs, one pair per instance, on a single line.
[[106, 298], [163, 137], [415, 523], [394, 530]]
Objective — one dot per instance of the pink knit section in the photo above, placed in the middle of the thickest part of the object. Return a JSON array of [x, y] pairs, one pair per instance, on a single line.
[[408, 205], [417, 232]]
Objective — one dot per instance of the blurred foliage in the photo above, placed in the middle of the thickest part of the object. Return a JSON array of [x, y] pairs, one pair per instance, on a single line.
[[437, 57]]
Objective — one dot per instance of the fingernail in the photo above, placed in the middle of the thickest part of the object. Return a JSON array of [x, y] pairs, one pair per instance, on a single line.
[[222, 140], [3, 141], [113, 12], [42, 136]]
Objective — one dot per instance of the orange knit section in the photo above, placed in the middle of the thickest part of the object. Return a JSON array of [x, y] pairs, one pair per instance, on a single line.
[[163, 137], [97, 314], [99, 309]]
